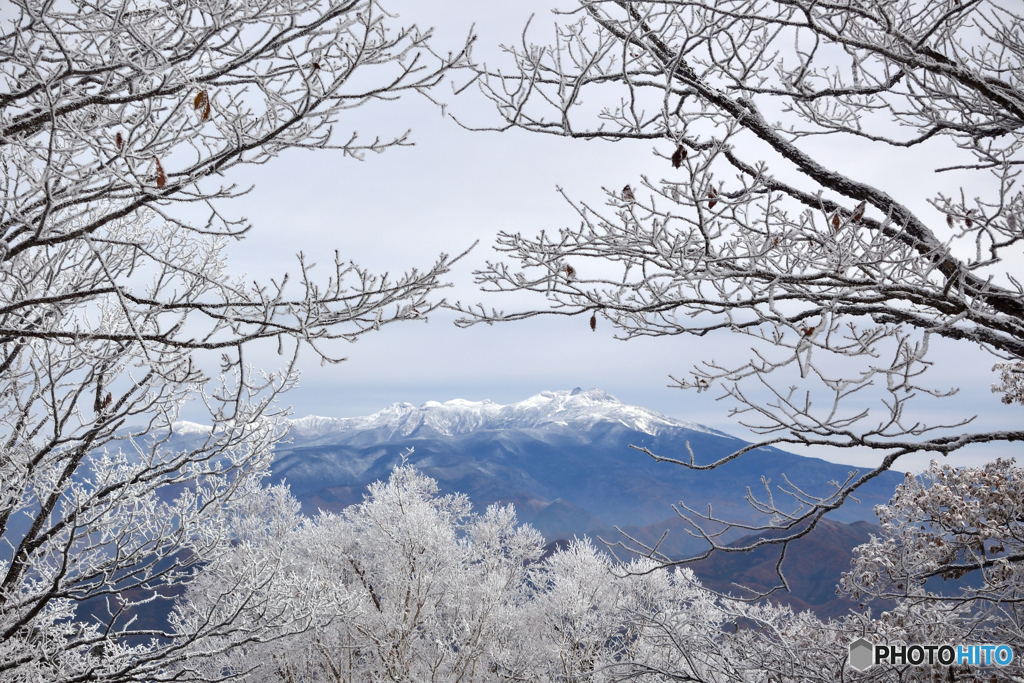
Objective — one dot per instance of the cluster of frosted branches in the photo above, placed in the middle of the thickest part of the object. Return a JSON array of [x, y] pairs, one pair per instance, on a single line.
[[113, 107], [413, 586], [426, 590], [750, 223], [949, 524], [1011, 384], [111, 114]]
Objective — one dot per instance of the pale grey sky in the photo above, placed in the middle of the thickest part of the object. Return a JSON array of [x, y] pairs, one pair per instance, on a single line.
[[404, 207]]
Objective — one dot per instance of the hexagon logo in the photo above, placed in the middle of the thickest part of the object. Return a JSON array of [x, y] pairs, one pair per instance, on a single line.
[[861, 654]]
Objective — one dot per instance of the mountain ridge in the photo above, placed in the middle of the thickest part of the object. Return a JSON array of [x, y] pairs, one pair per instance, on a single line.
[[563, 459], [570, 447], [576, 408]]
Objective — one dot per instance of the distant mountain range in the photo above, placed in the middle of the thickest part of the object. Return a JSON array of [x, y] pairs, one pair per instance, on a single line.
[[563, 458]]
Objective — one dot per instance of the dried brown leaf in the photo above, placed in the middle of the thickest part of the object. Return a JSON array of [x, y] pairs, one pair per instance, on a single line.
[[161, 177], [678, 156], [858, 212]]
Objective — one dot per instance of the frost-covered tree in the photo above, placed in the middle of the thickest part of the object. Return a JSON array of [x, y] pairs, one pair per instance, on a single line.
[[952, 523], [113, 113], [756, 218], [594, 619], [421, 589], [948, 556], [410, 586]]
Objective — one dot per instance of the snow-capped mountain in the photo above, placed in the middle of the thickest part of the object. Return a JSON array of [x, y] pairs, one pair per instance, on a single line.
[[577, 409], [562, 457]]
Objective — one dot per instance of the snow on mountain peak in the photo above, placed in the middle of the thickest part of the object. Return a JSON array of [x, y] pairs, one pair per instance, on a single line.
[[578, 409], [185, 428]]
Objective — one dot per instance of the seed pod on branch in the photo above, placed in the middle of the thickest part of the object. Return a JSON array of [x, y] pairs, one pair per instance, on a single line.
[[593, 322]]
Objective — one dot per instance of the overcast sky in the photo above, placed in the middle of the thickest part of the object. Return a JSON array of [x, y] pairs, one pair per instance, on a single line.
[[402, 208]]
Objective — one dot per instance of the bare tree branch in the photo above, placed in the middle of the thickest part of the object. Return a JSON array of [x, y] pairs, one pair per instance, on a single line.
[[839, 285]]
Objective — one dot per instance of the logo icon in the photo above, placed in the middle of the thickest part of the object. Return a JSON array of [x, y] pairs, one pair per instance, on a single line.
[[864, 654], [861, 651]]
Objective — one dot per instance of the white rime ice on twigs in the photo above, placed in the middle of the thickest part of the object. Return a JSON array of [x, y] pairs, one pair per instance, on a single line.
[[413, 586], [118, 309]]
